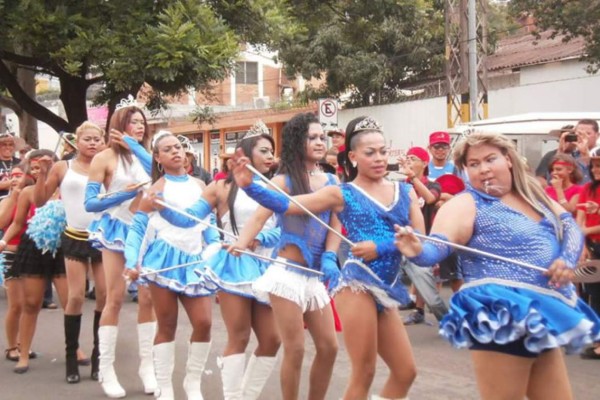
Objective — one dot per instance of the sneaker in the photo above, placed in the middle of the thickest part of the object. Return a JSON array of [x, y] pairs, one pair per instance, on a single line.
[[50, 305], [415, 317], [409, 306]]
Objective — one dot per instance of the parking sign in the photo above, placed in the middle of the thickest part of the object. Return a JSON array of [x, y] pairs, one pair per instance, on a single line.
[[328, 114]]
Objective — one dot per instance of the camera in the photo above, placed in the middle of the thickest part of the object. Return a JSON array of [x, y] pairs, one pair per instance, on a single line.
[[571, 137]]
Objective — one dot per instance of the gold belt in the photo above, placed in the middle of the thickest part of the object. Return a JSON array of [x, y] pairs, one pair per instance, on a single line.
[[76, 234]]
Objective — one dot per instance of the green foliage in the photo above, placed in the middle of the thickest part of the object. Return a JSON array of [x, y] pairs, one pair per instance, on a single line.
[[169, 44], [572, 18], [367, 49]]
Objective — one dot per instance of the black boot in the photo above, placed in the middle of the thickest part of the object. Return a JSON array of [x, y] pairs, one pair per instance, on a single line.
[[95, 351], [72, 328]]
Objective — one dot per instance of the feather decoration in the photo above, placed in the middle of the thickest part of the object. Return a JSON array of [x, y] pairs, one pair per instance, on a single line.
[[47, 225]]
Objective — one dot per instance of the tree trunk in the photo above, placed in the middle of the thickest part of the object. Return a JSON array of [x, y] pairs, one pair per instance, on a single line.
[[28, 125], [73, 96]]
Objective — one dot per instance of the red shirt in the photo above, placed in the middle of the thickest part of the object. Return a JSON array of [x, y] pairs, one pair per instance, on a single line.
[[569, 192], [591, 219]]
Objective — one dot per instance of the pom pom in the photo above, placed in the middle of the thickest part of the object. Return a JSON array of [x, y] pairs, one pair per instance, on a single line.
[[47, 225], [1, 269]]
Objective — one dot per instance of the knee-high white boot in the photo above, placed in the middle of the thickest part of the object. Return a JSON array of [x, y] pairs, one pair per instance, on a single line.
[[257, 373], [107, 342], [197, 356], [232, 371], [164, 363], [146, 332]]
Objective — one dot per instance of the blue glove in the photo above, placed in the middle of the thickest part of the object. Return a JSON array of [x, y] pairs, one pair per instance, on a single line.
[[140, 152], [199, 209], [94, 204], [269, 237], [270, 199], [135, 238], [330, 269], [385, 247]]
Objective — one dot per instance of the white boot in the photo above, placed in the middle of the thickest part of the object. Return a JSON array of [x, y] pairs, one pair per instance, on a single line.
[[107, 341], [376, 397], [257, 373], [232, 371], [197, 356], [164, 363], [146, 332]]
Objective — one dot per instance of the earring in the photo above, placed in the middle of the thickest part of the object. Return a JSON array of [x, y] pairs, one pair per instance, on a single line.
[[159, 167], [354, 163]]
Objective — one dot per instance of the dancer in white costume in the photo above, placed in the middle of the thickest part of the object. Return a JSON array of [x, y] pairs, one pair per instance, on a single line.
[[233, 276], [154, 244], [120, 173]]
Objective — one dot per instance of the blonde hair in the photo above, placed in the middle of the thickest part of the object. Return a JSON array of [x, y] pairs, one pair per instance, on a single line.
[[523, 183], [88, 125]]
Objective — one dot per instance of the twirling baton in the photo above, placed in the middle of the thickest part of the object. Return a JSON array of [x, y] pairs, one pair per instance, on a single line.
[[588, 271], [249, 253], [296, 202]]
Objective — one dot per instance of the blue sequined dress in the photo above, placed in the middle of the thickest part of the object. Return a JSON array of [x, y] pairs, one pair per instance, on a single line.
[[501, 302], [109, 228], [366, 219], [235, 275], [154, 243]]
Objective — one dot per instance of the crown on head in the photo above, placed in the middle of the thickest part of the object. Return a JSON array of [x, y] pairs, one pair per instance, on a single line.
[[368, 124], [158, 135], [259, 128], [127, 102]]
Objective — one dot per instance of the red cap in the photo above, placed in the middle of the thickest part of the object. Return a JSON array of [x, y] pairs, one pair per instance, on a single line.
[[419, 152], [439, 137], [451, 184]]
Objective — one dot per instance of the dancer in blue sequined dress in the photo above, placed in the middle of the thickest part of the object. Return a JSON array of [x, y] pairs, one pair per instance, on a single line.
[[513, 319], [370, 291]]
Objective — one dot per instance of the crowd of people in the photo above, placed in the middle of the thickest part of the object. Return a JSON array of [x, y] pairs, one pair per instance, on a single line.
[[319, 239]]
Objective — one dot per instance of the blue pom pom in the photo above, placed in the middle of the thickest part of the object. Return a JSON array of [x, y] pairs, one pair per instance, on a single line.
[[47, 225], [1, 269]]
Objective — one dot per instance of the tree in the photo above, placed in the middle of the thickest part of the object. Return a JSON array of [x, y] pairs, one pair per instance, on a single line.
[[573, 18], [368, 49], [168, 44]]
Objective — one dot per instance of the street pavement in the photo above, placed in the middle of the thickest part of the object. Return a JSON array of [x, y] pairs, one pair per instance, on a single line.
[[443, 372]]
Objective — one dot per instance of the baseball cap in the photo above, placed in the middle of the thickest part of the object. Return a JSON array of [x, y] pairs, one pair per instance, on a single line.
[[439, 137], [419, 152], [450, 183], [336, 132]]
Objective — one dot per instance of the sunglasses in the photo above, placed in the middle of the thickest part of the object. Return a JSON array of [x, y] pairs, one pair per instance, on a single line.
[[440, 146]]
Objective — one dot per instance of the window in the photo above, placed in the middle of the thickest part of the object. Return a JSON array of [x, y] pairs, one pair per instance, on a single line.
[[246, 73]]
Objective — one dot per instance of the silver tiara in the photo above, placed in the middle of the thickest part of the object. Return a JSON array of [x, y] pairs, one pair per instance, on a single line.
[[127, 102], [368, 124], [158, 135], [259, 128]]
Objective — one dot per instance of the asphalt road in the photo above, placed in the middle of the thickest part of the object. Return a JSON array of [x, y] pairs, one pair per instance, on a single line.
[[443, 372]]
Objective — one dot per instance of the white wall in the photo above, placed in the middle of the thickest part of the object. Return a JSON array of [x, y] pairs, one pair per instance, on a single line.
[[405, 124], [556, 87]]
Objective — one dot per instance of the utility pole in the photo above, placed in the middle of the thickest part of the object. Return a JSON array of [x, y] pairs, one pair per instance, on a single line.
[[466, 46]]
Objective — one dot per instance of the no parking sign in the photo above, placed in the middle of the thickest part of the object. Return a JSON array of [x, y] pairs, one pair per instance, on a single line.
[[328, 114]]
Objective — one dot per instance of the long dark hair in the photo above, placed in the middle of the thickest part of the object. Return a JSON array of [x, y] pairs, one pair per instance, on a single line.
[[119, 121], [247, 145], [293, 152], [594, 184], [352, 137]]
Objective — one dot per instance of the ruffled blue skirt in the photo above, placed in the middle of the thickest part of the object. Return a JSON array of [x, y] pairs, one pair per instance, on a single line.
[[184, 280], [359, 277], [503, 314], [233, 274], [108, 233]]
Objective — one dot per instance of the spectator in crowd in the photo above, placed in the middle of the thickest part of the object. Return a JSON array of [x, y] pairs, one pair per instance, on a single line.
[[191, 164], [576, 142], [7, 161], [439, 147], [564, 178], [337, 138]]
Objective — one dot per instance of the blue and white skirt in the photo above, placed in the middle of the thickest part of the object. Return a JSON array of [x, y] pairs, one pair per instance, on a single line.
[[357, 276], [184, 280], [109, 233], [234, 275], [494, 313]]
